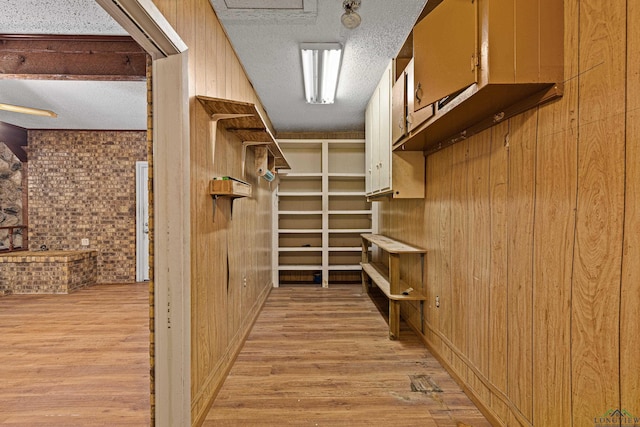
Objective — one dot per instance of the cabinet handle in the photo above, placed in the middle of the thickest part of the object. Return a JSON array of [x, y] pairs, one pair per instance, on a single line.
[[409, 119], [419, 93]]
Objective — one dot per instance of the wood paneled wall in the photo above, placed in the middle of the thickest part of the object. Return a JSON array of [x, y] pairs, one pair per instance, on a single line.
[[532, 231], [230, 254]]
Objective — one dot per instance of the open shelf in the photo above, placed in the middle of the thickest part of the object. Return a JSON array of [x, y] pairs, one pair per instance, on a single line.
[[229, 188], [244, 120], [322, 210]]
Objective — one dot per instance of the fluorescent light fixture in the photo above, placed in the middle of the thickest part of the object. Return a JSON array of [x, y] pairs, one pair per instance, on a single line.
[[27, 110], [320, 69]]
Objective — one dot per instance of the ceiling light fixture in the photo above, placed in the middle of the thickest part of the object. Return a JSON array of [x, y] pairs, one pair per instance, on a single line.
[[320, 69], [350, 18], [27, 110]]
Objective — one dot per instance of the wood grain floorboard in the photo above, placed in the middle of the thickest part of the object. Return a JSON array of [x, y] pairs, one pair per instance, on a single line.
[[321, 357], [76, 360]]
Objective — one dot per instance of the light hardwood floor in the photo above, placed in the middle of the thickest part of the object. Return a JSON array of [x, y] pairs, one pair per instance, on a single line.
[[76, 360], [321, 357]]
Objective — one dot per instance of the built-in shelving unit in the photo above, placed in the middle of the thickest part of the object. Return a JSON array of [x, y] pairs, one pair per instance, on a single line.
[[320, 210]]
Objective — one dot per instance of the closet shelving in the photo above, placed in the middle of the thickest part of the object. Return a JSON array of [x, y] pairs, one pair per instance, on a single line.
[[320, 211]]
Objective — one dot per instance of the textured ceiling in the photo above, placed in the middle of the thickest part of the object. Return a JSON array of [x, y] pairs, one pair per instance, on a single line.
[[267, 43], [266, 35], [79, 104]]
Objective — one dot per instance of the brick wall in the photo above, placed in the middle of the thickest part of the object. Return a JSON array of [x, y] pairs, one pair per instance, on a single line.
[[82, 185]]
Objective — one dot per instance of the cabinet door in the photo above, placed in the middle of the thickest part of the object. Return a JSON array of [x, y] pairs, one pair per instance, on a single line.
[[375, 141], [368, 147], [444, 51], [399, 108], [384, 120]]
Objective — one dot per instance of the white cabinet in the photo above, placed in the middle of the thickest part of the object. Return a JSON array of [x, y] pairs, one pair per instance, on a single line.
[[398, 175], [320, 210], [378, 137]]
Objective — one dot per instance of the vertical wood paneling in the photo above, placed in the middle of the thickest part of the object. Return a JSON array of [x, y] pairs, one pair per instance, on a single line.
[[438, 284], [563, 218], [520, 227], [597, 260], [479, 250], [498, 320], [224, 251], [459, 254], [556, 185], [444, 248], [630, 295]]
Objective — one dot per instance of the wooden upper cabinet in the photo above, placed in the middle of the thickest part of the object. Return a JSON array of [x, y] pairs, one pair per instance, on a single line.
[[478, 62], [445, 52]]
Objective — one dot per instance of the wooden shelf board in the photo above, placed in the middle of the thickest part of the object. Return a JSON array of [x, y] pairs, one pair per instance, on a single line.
[[299, 267], [295, 175], [392, 246], [250, 127], [345, 267], [347, 193], [347, 212], [349, 230], [300, 213], [300, 230], [301, 249], [299, 193], [345, 249], [346, 175], [378, 276]]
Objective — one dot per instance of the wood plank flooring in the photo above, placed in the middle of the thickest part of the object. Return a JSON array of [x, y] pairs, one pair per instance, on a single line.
[[321, 357], [76, 360]]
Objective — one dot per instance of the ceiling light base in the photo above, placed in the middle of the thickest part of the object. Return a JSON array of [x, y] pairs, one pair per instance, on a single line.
[[350, 18]]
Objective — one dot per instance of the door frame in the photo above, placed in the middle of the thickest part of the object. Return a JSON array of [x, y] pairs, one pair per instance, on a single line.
[[170, 218], [142, 221]]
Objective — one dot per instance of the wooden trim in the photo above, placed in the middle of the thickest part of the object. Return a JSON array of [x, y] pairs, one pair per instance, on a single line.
[[486, 410], [172, 261], [59, 57], [16, 138], [227, 361]]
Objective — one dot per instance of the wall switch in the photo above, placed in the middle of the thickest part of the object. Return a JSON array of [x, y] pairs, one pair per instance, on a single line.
[[84, 242]]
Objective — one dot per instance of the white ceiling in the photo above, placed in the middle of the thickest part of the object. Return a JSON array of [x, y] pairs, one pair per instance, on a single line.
[[79, 104], [265, 34]]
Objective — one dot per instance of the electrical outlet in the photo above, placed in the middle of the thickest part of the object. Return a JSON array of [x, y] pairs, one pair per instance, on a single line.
[[84, 242], [437, 301]]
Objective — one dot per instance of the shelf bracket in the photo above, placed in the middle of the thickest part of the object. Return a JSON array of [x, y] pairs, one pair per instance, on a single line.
[[214, 198], [246, 144], [214, 128]]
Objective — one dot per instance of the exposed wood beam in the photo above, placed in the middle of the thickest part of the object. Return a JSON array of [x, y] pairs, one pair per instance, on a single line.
[[63, 57], [15, 138]]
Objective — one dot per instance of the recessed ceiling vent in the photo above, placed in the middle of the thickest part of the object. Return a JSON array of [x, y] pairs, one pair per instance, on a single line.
[[290, 11]]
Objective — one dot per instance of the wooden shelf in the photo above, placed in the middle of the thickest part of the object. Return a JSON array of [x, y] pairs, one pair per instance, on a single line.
[[229, 188], [387, 277], [321, 202], [244, 120], [392, 246], [377, 273]]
